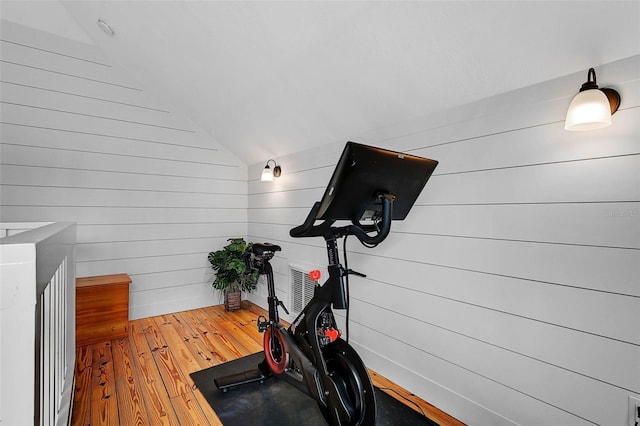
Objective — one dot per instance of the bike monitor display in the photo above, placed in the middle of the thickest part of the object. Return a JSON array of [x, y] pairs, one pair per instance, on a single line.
[[363, 173]]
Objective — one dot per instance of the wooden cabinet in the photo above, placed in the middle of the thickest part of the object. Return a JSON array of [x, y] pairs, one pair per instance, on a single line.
[[102, 308]]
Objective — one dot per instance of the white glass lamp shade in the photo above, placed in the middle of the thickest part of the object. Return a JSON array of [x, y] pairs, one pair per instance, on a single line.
[[589, 109], [267, 174]]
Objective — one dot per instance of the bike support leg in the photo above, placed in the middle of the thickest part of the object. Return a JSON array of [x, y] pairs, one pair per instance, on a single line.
[[251, 376]]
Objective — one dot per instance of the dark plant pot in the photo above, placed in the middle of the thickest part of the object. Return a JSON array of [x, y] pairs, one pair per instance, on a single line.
[[232, 300]]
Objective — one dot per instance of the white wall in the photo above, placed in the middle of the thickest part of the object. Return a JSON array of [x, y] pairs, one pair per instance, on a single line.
[[151, 193], [511, 294]]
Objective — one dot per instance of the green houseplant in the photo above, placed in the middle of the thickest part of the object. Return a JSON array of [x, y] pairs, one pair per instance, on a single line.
[[230, 269]]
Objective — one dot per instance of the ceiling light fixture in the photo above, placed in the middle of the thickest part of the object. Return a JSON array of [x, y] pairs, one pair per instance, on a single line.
[[268, 174], [592, 108], [106, 28]]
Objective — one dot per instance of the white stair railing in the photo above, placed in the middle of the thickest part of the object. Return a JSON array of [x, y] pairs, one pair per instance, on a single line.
[[37, 325]]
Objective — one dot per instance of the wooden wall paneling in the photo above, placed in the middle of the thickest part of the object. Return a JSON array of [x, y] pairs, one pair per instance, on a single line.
[[148, 264], [37, 74], [117, 250], [299, 198], [93, 124], [572, 392], [170, 278], [598, 313], [50, 100], [302, 198], [96, 216], [70, 138], [441, 397], [90, 197], [17, 33], [579, 181], [104, 132], [79, 177], [277, 215], [536, 145], [73, 86], [569, 349], [59, 100], [82, 142], [30, 52], [612, 270], [176, 297], [49, 157], [153, 231], [438, 379], [561, 223]]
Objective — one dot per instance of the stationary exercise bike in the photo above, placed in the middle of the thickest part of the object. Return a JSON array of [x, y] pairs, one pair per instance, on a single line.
[[370, 187]]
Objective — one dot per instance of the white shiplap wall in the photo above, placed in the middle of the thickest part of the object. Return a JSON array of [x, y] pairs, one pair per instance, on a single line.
[[151, 193], [511, 294]]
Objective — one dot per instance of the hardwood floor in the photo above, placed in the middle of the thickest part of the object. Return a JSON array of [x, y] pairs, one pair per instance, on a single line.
[[144, 379]]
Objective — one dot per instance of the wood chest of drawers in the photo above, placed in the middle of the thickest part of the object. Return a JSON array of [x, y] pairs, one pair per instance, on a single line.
[[102, 308]]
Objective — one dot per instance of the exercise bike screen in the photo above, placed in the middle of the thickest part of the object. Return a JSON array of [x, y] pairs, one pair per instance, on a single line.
[[363, 173]]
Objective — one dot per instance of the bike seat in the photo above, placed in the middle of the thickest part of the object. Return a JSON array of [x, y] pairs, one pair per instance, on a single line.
[[260, 248]]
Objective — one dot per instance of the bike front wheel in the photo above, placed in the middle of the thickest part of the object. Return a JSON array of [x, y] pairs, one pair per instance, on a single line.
[[351, 377]]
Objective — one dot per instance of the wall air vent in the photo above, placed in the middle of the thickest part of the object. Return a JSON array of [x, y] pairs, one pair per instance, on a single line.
[[302, 287]]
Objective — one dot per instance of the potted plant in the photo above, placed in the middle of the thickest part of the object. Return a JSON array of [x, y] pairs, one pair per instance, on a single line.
[[230, 268]]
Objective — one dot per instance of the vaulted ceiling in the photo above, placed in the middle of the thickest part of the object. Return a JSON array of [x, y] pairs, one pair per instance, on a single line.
[[269, 78]]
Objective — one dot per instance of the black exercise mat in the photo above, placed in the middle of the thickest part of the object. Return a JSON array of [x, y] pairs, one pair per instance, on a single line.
[[276, 403]]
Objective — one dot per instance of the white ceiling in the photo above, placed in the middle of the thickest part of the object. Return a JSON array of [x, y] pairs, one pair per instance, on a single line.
[[269, 78]]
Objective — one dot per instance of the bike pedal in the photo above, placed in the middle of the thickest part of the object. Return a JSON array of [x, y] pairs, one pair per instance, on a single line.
[[263, 324]]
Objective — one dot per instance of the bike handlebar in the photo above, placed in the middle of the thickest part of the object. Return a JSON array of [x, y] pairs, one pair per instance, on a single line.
[[325, 229], [305, 228], [381, 232]]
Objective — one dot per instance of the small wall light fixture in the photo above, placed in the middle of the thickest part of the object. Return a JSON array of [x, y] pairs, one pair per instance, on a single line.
[[591, 108], [268, 174]]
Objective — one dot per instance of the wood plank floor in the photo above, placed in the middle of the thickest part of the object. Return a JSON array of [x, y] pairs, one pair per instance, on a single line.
[[144, 379]]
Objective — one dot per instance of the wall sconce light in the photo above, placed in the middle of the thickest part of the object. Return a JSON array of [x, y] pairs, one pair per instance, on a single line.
[[268, 174], [591, 108]]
